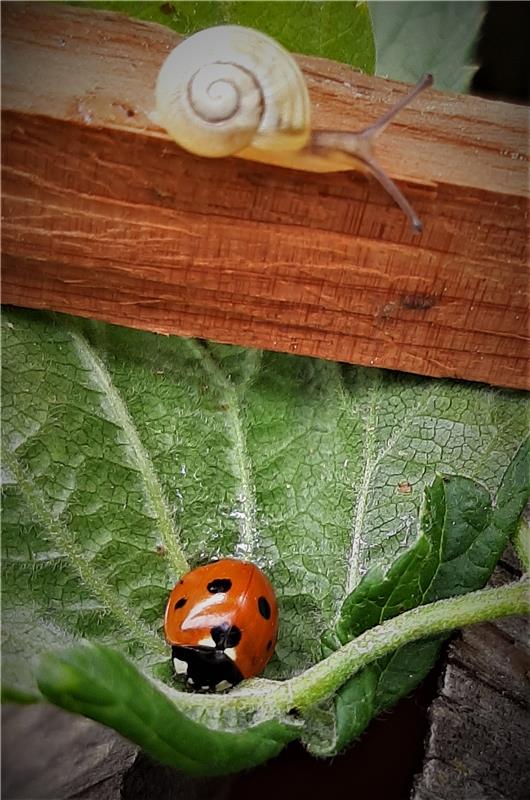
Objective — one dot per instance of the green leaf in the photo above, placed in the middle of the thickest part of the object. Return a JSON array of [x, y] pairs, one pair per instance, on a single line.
[[102, 684], [462, 537], [338, 30], [413, 38], [129, 457]]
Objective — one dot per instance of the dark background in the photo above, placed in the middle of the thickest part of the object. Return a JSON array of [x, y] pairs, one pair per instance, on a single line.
[[503, 53]]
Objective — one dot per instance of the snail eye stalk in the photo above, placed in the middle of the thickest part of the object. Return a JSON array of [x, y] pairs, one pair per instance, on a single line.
[[359, 146]]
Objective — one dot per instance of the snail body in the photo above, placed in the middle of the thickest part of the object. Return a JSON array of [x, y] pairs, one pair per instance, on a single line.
[[231, 90]]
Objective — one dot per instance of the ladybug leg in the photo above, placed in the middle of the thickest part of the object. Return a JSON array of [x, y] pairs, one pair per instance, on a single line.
[[223, 686], [180, 666]]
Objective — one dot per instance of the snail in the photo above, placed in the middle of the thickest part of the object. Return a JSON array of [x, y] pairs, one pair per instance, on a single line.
[[231, 90]]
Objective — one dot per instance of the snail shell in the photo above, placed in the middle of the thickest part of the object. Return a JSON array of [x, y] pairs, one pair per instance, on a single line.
[[228, 88]]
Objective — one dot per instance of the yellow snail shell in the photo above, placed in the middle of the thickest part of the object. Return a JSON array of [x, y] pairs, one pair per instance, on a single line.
[[227, 88]]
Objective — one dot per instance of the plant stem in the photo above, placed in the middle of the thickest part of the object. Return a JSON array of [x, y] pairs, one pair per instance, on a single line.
[[521, 542], [320, 681]]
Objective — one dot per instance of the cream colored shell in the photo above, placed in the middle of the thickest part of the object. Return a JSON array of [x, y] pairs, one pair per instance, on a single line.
[[228, 88]]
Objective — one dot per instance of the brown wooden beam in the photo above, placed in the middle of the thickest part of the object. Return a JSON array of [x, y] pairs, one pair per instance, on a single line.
[[105, 217]]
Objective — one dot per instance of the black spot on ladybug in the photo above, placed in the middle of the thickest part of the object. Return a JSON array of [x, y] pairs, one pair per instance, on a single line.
[[219, 585], [269, 644], [264, 607], [225, 636], [181, 602]]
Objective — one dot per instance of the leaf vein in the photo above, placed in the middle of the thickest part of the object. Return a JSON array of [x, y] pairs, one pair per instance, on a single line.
[[103, 381], [241, 464], [58, 534]]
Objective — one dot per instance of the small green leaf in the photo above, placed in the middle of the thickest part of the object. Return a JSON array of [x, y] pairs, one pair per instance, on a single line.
[[375, 688], [100, 683], [522, 541], [350, 712], [413, 38], [462, 539]]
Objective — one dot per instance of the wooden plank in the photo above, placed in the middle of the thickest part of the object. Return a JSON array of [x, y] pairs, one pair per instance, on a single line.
[[478, 744], [49, 754], [105, 217]]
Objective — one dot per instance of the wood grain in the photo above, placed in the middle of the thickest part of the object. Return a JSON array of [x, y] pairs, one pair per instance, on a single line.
[[105, 217], [49, 754], [478, 744]]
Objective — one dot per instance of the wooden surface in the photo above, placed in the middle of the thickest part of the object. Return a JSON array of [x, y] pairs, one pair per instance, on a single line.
[[105, 217], [478, 747], [48, 754]]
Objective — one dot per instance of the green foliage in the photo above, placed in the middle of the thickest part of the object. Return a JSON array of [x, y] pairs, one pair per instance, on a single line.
[[462, 537], [338, 30], [129, 457], [522, 540], [407, 40]]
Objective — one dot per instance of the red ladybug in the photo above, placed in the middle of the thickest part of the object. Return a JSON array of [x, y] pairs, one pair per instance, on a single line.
[[222, 623]]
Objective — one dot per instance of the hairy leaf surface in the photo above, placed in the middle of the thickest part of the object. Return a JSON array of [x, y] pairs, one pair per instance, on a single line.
[[129, 457]]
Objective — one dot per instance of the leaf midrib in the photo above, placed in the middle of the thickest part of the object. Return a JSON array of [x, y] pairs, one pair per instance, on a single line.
[[372, 462], [246, 545], [105, 386]]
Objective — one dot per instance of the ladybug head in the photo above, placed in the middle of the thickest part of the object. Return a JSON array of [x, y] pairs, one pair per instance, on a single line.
[[207, 666]]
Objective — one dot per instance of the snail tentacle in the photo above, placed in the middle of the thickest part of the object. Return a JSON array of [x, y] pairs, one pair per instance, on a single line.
[[380, 124], [338, 145]]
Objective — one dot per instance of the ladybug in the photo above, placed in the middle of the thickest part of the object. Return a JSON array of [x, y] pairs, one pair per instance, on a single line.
[[222, 623]]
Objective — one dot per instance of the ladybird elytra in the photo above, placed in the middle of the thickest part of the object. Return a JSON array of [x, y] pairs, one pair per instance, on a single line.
[[221, 622]]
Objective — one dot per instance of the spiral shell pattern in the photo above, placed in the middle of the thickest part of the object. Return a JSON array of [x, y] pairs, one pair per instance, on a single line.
[[228, 88]]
